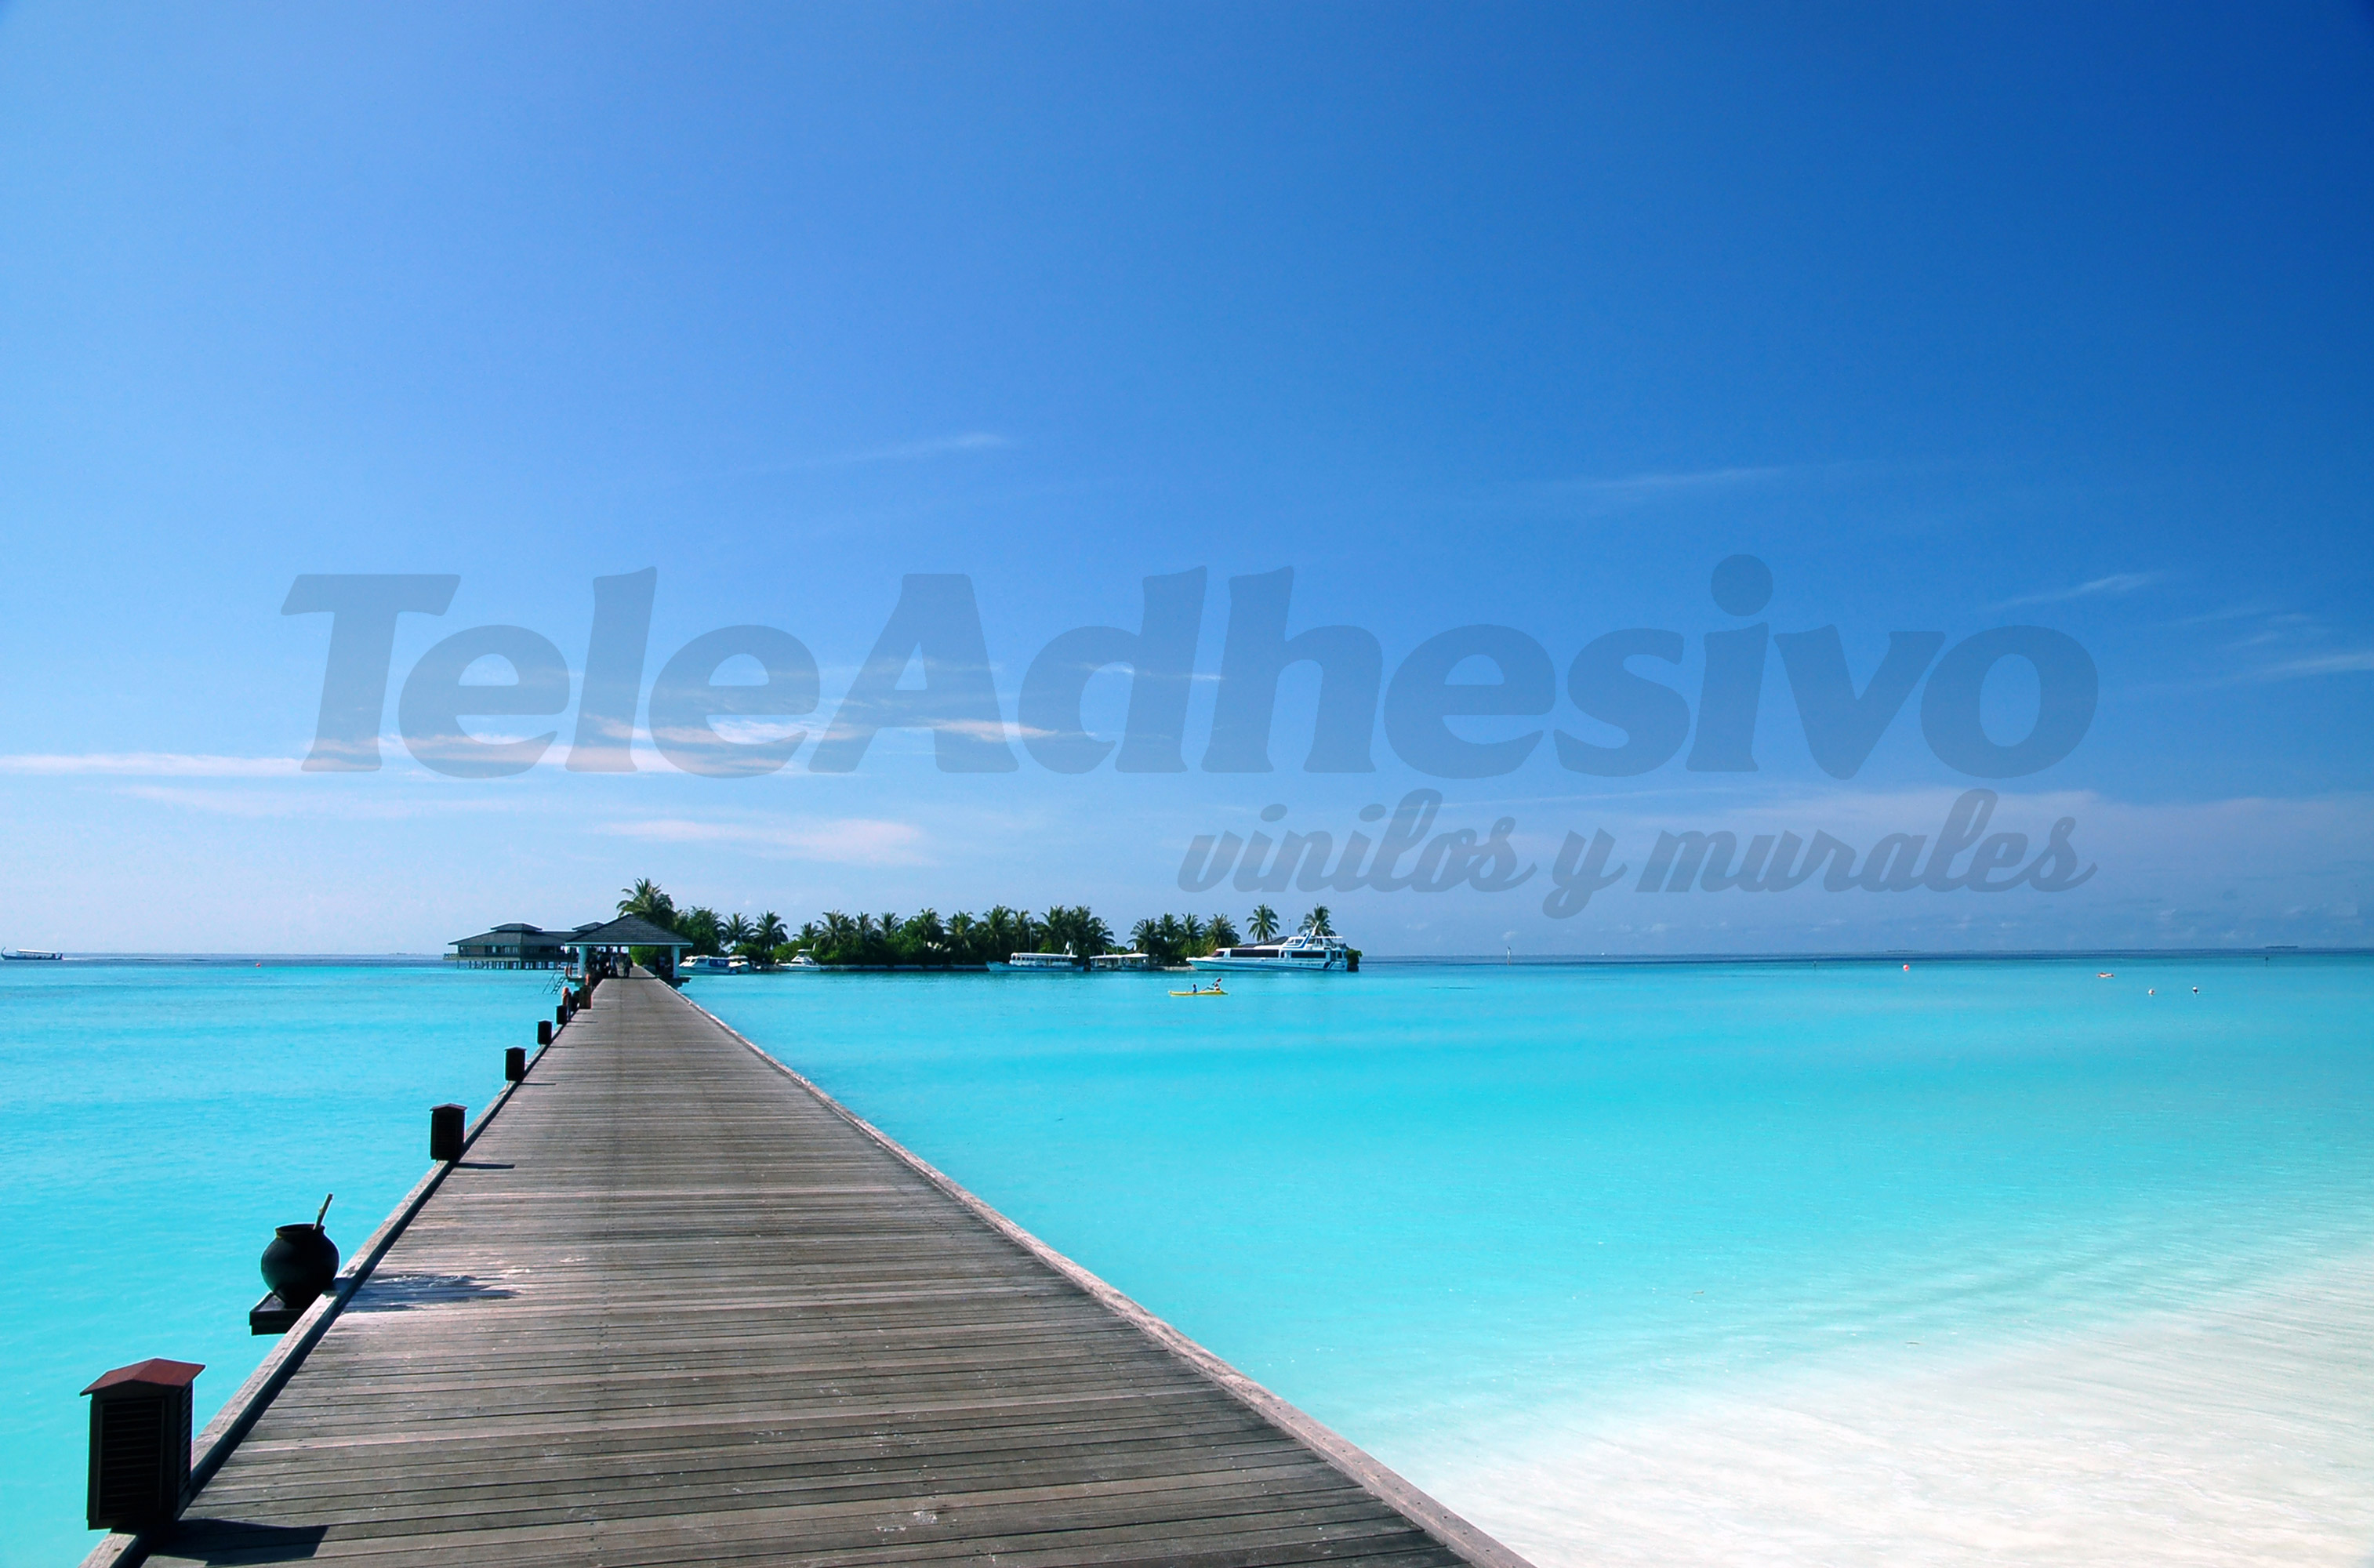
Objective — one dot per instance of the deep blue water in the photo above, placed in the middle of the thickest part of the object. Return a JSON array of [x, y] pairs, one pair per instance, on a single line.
[[1435, 1206]]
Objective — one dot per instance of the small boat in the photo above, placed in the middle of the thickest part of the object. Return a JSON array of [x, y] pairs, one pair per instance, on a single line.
[[27, 954], [1039, 961], [1211, 990], [802, 959], [716, 963]]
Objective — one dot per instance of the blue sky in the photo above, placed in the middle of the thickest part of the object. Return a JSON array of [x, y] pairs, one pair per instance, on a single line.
[[1956, 317]]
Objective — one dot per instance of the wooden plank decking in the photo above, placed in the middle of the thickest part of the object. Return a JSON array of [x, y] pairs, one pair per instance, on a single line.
[[676, 1307]]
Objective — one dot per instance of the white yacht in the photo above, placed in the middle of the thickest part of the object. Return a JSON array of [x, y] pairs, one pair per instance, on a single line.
[[1041, 961], [717, 963], [1295, 953]]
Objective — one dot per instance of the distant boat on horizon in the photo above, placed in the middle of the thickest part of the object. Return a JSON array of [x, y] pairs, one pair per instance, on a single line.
[[27, 953]]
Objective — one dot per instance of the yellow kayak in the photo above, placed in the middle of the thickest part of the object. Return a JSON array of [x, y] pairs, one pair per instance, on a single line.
[[1202, 991]]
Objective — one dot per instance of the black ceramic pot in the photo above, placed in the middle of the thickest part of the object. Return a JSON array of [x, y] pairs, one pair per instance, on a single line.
[[299, 1263]]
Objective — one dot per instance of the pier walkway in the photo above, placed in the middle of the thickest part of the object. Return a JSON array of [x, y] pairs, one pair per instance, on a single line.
[[675, 1306]]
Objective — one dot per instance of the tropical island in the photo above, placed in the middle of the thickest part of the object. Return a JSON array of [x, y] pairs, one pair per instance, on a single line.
[[962, 940]]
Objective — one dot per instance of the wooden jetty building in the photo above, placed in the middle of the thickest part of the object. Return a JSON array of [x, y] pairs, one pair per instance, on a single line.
[[518, 945], [674, 1305], [513, 945]]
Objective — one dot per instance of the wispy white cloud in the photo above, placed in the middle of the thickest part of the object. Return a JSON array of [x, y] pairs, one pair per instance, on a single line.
[[2232, 612], [1653, 485], [896, 451], [849, 840], [2116, 583], [150, 764], [1624, 492], [265, 805], [2344, 662]]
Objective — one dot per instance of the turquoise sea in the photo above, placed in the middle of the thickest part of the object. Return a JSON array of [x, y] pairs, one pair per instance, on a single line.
[[1552, 1241], [161, 1117]]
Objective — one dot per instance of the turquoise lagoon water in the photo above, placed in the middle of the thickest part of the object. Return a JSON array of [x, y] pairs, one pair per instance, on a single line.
[[1445, 1208], [161, 1118]]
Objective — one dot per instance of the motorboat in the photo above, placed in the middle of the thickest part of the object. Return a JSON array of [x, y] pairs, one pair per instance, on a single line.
[[716, 963], [1294, 954], [1042, 961], [28, 954]]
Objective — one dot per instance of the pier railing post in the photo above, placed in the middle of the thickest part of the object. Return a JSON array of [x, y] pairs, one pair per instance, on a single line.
[[544, 1031], [514, 1064], [140, 1444], [445, 1125]]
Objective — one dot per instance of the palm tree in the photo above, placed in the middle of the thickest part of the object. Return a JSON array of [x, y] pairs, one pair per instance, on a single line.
[[1263, 924], [645, 900], [700, 927], [1317, 922], [922, 939], [1078, 930], [1144, 937], [1004, 931], [1222, 931], [1191, 943], [736, 931], [769, 933]]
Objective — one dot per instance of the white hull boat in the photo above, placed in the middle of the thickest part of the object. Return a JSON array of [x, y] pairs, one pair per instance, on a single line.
[[1293, 955]]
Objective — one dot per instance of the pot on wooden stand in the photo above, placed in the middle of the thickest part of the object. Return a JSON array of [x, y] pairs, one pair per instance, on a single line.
[[302, 1262]]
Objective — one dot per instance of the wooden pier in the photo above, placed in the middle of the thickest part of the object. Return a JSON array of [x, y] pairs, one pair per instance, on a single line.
[[676, 1306]]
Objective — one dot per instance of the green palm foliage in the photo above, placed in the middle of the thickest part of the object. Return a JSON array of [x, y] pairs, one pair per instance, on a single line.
[[700, 927], [646, 900], [927, 940]]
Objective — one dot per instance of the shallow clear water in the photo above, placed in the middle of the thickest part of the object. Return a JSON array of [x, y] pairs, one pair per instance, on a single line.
[[1489, 1222], [160, 1120], [1481, 1217]]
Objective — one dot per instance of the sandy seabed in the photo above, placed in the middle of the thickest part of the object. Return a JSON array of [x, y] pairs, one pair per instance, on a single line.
[[2238, 1434]]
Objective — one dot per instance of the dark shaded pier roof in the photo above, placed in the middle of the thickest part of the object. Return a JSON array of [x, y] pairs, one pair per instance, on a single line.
[[514, 938], [627, 931], [674, 1306]]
